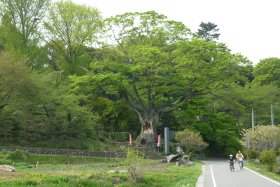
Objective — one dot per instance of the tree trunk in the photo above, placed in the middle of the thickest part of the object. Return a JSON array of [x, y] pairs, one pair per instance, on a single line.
[[148, 123]]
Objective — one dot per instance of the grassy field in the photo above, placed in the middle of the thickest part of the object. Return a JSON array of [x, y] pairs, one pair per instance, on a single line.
[[263, 170], [60, 171]]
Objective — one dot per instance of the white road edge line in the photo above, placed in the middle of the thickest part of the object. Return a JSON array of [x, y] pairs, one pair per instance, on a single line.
[[213, 178], [263, 176], [200, 181]]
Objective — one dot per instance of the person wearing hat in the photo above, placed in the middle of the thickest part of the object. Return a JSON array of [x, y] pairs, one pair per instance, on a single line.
[[231, 161]]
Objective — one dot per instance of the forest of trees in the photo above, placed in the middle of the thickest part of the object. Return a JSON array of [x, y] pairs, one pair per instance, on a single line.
[[66, 74]]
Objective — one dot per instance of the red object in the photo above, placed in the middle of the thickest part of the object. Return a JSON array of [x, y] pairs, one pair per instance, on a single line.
[[130, 139], [158, 141]]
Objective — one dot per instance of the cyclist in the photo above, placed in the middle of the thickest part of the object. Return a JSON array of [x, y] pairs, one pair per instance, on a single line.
[[239, 156], [231, 162]]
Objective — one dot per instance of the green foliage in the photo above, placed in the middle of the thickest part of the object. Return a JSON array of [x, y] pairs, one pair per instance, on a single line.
[[262, 137], [228, 141], [10, 37], [14, 158], [268, 157], [139, 82], [267, 72], [146, 28], [4, 158], [20, 30], [134, 164], [219, 131], [251, 154], [70, 28], [191, 141], [21, 165], [208, 31], [18, 155]]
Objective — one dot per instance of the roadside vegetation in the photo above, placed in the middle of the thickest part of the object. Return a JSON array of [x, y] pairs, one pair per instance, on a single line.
[[262, 149], [262, 169], [94, 171]]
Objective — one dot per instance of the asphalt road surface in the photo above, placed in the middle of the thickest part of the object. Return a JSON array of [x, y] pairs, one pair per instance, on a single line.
[[218, 174]]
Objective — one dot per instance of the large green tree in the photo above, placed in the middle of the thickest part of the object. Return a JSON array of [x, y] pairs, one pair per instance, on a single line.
[[156, 70], [24, 16], [70, 30], [143, 72]]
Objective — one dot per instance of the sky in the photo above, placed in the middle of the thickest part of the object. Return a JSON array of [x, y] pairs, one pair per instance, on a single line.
[[249, 27]]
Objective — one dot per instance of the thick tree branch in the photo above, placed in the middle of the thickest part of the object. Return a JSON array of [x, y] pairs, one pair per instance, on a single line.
[[140, 101]]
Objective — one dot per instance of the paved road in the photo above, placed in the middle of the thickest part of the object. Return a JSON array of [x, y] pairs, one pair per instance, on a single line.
[[217, 174]]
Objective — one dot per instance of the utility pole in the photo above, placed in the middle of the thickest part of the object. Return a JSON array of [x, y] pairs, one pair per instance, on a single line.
[[166, 140], [271, 114], [253, 122], [272, 123]]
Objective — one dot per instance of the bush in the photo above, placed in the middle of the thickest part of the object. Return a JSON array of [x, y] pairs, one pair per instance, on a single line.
[[191, 141], [262, 137], [4, 154], [251, 154], [4, 158], [277, 166], [18, 155], [134, 165], [268, 157]]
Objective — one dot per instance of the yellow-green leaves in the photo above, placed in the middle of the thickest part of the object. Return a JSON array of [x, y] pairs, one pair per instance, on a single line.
[[71, 28]]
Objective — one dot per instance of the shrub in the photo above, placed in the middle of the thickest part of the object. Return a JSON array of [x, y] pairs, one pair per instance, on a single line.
[[268, 157], [134, 165], [191, 141], [4, 158], [4, 154], [251, 154], [262, 137], [18, 155], [277, 167]]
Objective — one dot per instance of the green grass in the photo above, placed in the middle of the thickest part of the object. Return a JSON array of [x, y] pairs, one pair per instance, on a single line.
[[263, 170], [95, 173]]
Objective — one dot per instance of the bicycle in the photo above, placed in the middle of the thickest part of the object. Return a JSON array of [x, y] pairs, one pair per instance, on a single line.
[[240, 163]]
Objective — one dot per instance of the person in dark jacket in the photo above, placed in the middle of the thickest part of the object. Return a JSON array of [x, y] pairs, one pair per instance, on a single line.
[[231, 161]]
